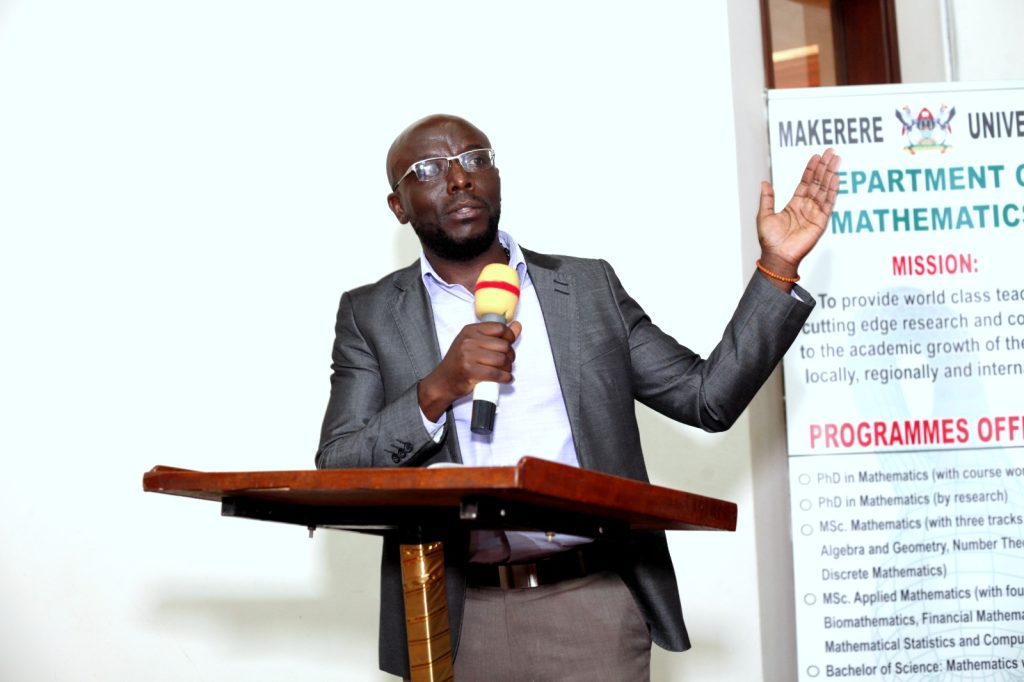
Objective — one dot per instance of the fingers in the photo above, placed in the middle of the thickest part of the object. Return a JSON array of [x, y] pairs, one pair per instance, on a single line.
[[820, 172], [820, 181], [766, 207], [828, 183], [502, 335], [807, 180], [480, 352], [490, 344]]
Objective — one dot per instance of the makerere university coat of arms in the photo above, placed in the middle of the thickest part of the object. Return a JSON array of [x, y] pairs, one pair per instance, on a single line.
[[927, 131]]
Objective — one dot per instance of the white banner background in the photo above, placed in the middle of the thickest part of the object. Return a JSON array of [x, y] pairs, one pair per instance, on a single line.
[[904, 405]]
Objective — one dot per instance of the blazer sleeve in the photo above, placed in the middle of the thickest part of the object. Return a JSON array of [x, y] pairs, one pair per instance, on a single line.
[[363, 425], [711, 393]]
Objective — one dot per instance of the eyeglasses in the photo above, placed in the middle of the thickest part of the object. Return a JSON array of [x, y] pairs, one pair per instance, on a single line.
[[433, 169]]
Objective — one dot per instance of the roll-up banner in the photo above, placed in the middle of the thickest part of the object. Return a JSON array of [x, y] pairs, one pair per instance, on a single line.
[[905, 389]]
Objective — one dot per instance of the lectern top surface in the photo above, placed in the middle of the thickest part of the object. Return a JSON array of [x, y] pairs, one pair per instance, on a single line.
[[532, 481]]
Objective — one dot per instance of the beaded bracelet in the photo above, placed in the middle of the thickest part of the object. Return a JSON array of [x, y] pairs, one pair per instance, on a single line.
[[769, 273]]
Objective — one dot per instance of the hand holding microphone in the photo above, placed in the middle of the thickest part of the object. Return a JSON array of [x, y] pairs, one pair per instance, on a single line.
[[497, 294], [480, 353]]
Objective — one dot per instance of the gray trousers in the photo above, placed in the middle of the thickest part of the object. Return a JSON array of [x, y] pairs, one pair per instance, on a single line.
[[586, 629]]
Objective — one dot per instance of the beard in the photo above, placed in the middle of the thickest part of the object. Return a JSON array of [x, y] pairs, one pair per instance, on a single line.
[[437, 241]]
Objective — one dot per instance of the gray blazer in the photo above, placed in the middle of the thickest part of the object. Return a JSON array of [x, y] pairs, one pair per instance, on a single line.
[[607, 354]]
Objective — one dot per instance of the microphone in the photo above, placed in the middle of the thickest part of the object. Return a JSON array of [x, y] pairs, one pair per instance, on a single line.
[[496, 296]]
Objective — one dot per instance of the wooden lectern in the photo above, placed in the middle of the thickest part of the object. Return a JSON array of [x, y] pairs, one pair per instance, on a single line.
[[422, 503]]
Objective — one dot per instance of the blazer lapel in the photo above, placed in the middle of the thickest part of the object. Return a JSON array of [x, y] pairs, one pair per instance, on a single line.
[[412, 313], [415, 322], [561, 317]]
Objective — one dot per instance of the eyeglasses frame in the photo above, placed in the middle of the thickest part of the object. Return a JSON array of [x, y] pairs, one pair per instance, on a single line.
[[448, 160]]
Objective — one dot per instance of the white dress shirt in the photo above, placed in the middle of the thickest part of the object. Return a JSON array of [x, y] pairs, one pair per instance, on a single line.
[[531, 418]]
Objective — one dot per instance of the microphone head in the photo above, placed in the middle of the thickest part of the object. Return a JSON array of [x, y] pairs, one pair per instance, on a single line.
[[497, 291]]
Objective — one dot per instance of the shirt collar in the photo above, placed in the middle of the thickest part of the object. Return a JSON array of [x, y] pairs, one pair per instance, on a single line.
[[515, 261]]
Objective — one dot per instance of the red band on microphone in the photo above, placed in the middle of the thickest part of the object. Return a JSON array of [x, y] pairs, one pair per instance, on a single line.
[[511, 288]]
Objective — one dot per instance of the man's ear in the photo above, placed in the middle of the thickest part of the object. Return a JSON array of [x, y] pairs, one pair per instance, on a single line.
[[395, 204]]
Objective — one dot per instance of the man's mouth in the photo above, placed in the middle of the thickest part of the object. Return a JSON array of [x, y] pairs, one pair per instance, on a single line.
[[466, 209]]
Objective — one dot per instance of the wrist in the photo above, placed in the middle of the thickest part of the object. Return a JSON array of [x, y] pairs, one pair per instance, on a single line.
[[778, 272], [433, 402], [778, 265]]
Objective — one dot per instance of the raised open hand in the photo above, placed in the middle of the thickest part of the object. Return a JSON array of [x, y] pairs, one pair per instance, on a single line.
[[789, 235]]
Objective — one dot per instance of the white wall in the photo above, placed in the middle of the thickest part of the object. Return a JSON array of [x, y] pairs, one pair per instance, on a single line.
[[959, 40], [185, 190], [986, 39], [922, 31]]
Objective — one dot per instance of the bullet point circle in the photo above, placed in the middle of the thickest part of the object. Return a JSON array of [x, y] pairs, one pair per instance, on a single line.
[[812, 671], [809, 599], [805, 505], [806, 529], [804, 479]]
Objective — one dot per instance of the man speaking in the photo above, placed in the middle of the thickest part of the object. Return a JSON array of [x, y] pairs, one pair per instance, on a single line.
[[409, 352]]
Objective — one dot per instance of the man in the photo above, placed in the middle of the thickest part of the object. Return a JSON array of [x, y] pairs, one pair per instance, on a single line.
[[408, 354]]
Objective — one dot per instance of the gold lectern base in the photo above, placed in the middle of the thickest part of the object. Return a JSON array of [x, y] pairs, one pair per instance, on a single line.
[[426, 613]]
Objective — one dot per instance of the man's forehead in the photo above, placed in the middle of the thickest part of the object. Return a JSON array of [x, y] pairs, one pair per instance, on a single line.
[[441, 137], [437, 135]]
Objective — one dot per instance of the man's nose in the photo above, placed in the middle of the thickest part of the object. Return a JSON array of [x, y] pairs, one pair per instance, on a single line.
[[458, 178]]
